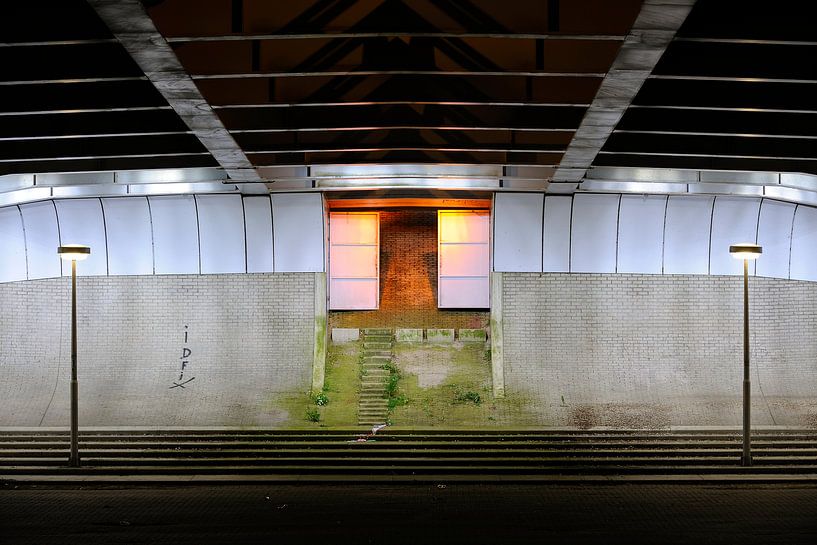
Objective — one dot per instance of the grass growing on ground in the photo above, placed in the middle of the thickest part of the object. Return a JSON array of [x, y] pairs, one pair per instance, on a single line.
[[450, 386], [341, 385], [335, 406], [291, 407]]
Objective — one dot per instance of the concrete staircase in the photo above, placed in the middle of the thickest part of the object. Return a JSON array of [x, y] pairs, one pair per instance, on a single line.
[[429, 454], [373, 406]]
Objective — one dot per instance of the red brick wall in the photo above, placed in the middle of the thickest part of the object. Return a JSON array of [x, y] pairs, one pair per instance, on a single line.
[[408, 278]]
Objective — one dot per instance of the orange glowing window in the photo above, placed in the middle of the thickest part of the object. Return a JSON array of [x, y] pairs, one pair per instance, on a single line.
[[354, 260], [464, 258]]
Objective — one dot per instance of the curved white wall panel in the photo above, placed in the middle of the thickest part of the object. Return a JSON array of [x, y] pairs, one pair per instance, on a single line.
[[734, 220], [518, 232], [175, 234], [593, 233], [81, 222], [556, 244], [298, 233], [686, 235], [532, 233], [221, 234], [42, 239], [804, 244], [258, 227], [130, 241], [641, 234], [774, 235], [12, 245]]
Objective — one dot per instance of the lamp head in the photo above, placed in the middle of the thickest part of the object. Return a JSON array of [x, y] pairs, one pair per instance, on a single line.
[[74, 252], [745, 250]]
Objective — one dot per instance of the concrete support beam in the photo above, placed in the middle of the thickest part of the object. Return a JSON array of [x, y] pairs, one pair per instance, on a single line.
[[133, 27], [652, 32], [321, 336], [497, 356]]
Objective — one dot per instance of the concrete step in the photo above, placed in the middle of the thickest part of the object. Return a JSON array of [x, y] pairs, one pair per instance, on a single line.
[[568, 439], [734, 433], [379, 360], [383, 449], [377, 353], [376, 331], [409, 457], [411, 447], [433, 471], [376, 345], [379, 338], [408, 452]]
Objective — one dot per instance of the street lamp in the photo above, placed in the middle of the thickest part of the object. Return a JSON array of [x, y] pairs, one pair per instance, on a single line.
[[746, 251], [74, 253]]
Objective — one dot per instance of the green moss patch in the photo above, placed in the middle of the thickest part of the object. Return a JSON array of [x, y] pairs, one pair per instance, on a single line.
[[341, 385], [450, 386]]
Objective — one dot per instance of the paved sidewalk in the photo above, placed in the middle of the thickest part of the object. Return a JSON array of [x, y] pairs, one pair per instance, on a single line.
[[416, 514]]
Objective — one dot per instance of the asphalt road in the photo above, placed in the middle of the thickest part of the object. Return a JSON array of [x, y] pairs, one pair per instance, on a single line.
[[417, 514]]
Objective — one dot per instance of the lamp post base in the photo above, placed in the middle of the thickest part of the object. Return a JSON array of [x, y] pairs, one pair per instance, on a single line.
[[73, 457]]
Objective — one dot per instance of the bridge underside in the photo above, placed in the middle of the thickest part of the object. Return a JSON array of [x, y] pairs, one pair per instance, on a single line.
[[607, 154]]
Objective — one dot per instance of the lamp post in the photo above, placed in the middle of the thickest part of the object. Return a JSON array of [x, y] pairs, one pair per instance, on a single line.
[[746, 251], [74, 253]]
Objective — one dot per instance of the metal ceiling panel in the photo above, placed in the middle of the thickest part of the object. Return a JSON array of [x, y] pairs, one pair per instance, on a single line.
[[12, 245], [803, 243], [556, 243], [129, 235], [258, 229], [686, 235], [298, 232], [593, 233], [82, 221], [641, 234], [734, 220], [221, 233], [518, 232], [175, 234], [774, 235], [42, 240]]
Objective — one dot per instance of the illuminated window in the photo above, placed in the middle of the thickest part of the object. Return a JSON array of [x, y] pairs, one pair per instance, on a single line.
[[354, 260], [464, 258]]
